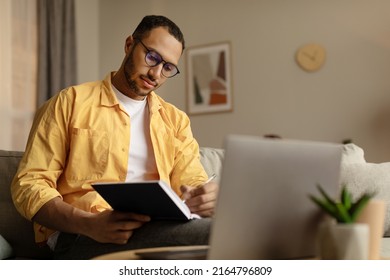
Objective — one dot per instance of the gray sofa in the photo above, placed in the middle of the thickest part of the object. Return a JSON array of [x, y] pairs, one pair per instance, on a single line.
[[14, 229], [16, 233]]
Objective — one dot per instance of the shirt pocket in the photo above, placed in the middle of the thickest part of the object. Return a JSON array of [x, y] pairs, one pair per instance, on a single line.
[[88, 154]]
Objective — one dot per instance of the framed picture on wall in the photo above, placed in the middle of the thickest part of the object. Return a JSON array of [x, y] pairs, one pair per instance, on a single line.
[[209, 79]]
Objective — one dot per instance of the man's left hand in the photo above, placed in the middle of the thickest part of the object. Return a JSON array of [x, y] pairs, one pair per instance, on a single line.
[[201, 200]]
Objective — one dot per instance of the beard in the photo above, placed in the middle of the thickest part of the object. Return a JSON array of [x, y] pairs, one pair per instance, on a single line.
[[129, 71]]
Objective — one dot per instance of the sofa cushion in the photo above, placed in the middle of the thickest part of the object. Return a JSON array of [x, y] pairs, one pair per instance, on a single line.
[[360, 176], [13, 227], [211, 159]]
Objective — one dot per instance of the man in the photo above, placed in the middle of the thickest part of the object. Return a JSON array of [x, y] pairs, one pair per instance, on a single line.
[[117, 129]]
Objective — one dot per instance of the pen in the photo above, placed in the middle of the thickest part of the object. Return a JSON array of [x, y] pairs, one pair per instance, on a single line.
[[210, 179]]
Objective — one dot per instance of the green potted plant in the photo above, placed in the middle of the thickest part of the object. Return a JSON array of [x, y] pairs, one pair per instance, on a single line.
[[343, 237], [345, 210]]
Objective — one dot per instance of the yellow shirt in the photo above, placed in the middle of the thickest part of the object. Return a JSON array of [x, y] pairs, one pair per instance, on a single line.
[[82, 135]]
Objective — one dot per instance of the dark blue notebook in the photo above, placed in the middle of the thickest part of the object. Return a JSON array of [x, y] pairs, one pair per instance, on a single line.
[[153, 198]]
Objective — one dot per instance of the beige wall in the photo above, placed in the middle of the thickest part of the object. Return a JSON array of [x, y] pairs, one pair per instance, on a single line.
[[88, 34], [348, 98]]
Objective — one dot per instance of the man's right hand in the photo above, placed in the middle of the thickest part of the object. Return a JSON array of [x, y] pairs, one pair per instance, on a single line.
[[105, 227], [113, 226]]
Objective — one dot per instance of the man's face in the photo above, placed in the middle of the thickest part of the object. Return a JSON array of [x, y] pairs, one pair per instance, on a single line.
[[141, 78]]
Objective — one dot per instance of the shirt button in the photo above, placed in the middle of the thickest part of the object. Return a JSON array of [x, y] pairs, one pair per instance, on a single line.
[[123, 150]]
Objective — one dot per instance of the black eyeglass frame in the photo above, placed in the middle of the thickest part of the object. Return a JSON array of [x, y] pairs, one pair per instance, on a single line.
[[149, 51]]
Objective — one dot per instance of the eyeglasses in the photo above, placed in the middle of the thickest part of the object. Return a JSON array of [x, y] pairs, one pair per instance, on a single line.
[[153, 58]]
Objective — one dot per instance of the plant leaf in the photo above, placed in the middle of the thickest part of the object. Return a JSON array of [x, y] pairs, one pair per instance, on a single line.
[[329, 208], [343, 214], [358, 206], [346, 198], [325, 195]]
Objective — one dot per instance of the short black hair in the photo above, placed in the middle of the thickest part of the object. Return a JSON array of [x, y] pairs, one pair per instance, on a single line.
[[153, 21]]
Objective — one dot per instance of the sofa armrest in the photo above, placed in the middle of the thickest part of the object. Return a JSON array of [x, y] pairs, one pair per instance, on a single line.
[[5, 249], [13, 227]]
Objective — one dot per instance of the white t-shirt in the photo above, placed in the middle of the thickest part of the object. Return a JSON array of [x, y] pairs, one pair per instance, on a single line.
[[141, 165]]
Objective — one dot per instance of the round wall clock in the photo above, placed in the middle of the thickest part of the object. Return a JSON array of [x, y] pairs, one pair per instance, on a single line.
[[311, 57]]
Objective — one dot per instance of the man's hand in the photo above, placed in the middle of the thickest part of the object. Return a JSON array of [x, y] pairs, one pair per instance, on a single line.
[[105, 227], [113, 226], [201, 200]]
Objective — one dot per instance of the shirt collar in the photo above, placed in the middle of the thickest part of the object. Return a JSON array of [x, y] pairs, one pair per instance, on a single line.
[[109, 99]]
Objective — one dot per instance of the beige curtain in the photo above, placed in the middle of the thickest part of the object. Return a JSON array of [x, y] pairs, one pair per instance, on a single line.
[[37, 59], [18, 71]]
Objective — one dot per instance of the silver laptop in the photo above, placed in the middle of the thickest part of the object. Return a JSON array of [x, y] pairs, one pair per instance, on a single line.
[[263, 210]]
